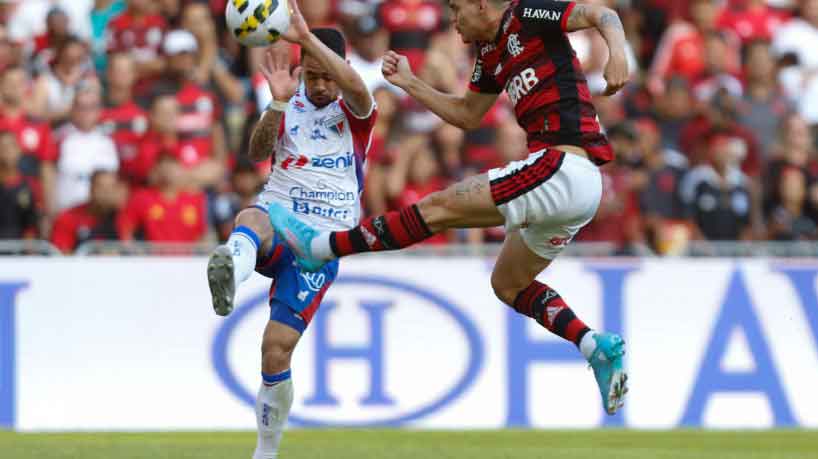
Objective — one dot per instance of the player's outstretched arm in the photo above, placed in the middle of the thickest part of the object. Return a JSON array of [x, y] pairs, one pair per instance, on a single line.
[[465, 112], [283, 84], [356, 95], [584, 16]]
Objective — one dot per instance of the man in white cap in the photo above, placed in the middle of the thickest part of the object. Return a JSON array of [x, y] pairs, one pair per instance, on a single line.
[[203, 148]]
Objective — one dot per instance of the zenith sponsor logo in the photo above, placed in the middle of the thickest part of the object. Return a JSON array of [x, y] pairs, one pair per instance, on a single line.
[[534, 13], [344, 161]]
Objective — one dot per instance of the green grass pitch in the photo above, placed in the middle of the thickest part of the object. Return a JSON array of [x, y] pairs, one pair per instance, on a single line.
[[406, 444]]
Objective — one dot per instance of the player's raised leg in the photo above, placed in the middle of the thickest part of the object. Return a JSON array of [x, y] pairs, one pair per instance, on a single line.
[[466, 204], [275, 396], [513, 281], [233, 263]]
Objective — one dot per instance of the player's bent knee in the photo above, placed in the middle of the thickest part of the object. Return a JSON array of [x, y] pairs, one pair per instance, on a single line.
[[256, 220], [275, 356], [276, 352], [504, 290]]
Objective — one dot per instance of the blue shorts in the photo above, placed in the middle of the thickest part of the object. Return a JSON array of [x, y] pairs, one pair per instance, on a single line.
[[295, 295]]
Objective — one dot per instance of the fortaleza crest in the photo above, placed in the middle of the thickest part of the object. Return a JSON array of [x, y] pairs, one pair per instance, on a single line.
[[336, 124]]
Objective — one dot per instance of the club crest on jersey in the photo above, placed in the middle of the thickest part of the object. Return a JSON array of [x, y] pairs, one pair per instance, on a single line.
[[515, 48], [535, 13], [336, 124]]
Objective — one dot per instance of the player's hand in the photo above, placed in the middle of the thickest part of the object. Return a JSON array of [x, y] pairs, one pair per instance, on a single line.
[[276, 70], [396, 69], [616, 73], [299, 30]]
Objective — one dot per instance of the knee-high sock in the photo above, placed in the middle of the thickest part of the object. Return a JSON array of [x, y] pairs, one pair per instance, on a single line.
[[546, 306], [243, 244], [392, 231], [275, 397]]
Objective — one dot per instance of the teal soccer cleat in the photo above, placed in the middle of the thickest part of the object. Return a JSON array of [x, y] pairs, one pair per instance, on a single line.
[[298, 236], [609, 372]]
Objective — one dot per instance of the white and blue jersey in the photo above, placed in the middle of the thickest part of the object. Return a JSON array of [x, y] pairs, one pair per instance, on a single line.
[[318, 173], [318, 167]]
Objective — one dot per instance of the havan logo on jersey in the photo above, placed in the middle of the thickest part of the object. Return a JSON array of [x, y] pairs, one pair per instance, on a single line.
[[521, 85], [535, 13], [342, 162]]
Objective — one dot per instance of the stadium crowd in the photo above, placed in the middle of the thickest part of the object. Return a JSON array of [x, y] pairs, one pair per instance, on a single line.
[[123, 120]]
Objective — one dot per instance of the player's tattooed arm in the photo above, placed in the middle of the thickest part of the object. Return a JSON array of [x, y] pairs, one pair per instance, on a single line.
[[265, 135], [607, 22]]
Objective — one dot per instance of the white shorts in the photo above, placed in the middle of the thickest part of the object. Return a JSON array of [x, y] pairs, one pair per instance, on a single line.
[[548, 197]]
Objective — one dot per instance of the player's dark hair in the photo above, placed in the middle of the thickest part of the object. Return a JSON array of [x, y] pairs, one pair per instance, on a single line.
[[333, 38]]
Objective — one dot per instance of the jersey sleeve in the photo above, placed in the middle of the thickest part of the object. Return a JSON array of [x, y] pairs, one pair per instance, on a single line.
[[62, 234], [482, 81], [361, 127], [547, 17]]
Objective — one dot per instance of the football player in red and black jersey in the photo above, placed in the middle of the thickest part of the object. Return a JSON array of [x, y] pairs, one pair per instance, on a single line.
[[522, 48]]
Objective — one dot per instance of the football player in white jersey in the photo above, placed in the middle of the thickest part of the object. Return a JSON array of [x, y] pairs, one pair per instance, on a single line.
[[318, 128]]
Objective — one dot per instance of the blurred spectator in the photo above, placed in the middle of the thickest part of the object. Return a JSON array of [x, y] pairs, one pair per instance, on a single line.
[[411, 24], [751, 20], [681, 51], [369, 41], [198, 126], [85, 149], [18, 211], [789, 220], [61, 81], [45, 45], [763, 103], [34, 137], [798, 38], [664, 214], [246, 182], [161, 138], [716, 75], [28, 17], [721, 114], [673, 110], [795, 149], [717, 193], [165, 212], [94, 220], [139, 30], [210, 68], [101, 15], [122, 119]]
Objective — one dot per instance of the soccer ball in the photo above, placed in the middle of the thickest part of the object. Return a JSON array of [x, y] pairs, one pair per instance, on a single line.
[[257, 22]]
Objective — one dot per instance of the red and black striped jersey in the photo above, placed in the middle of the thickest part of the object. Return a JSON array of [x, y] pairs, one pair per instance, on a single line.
[[532, 59]]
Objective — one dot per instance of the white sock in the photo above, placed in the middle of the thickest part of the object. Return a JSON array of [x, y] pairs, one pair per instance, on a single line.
[[587, 345], [245, 251], [272, 408], [321, 247]]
